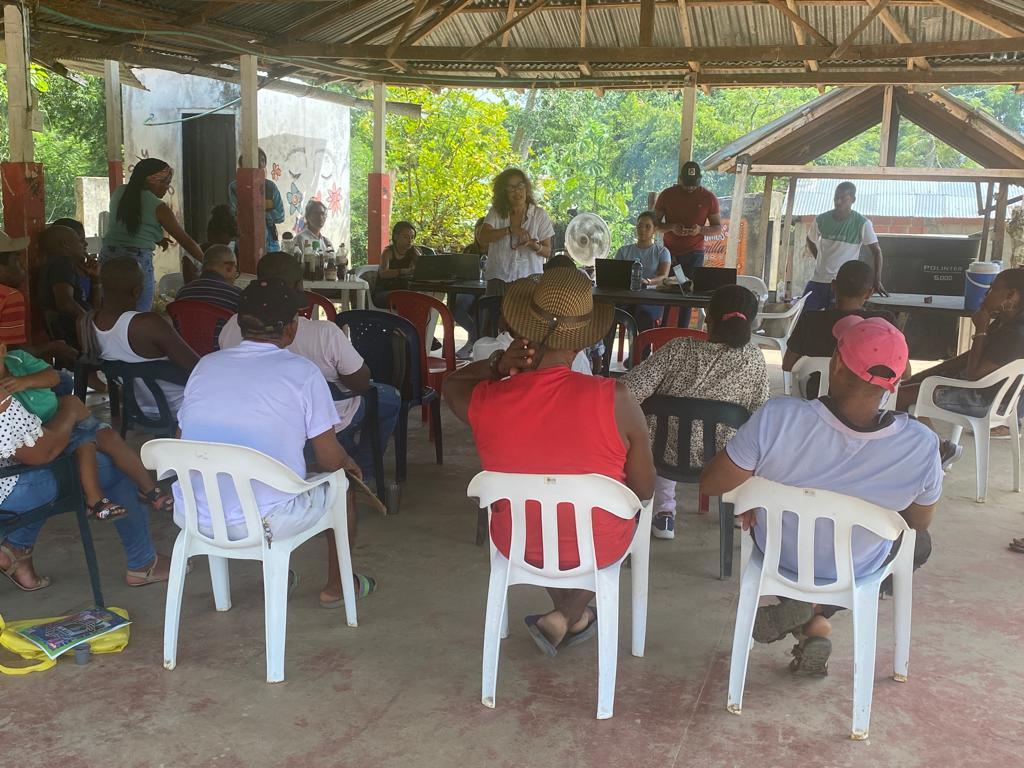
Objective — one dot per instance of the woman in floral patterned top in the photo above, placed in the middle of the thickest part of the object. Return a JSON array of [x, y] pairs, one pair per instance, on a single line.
[[726, 367]]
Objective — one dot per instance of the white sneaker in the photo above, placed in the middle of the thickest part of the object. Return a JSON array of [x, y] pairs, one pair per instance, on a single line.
[[663, 526]]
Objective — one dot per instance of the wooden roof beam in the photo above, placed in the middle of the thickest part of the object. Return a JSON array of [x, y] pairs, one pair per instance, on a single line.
[[509, 15], [798, 32], [506, 26], [686, 30], [972, 12], [788, 9], [203, 13], [850, 38], [426, 29], [583, 23], [646, 22], [407, 21], [897, 31]]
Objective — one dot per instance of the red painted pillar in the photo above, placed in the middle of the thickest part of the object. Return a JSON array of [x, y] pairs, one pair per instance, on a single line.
[[24, 203], [115, 174], [252, 222], [379, 212]]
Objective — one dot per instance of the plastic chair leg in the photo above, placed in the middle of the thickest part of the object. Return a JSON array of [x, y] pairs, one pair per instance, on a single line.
[[902, 604], [639, 560], [275, 598], [1015, 452], [746, 610], [865, 626], [341, 542], [401, 442], [221, 582], [90, 555], [607, 639], [504, 618], [435, 416], [703, 504], [725, 539], [172, 608], [497, 601], [981, 451]]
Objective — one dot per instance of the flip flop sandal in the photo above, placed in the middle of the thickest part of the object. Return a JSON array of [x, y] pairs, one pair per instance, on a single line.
[[105, 509], [575, 638], [810, 659], [539, 637], [158, 499], [42, 582], [147, 575], [1017, 546], [367, 586], [774, 622]]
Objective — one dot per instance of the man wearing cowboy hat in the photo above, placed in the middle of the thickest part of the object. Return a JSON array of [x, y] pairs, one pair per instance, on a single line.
[[531, 414]]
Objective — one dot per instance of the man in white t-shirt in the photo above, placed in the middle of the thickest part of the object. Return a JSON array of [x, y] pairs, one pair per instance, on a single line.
[[835, 238], [260, 395], [326, 345], [841, 443]]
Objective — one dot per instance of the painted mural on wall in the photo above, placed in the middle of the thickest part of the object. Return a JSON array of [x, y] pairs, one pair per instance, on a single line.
[[306, 141]]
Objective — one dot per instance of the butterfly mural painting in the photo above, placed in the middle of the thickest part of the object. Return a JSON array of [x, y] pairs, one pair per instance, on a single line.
[[275, 172], [334, 199], [294, 199]]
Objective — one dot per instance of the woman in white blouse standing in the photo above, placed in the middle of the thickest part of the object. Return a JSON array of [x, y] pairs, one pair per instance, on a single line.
[[517, 232]]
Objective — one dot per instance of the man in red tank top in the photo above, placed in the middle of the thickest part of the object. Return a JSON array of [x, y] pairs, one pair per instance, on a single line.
[[531, 414]]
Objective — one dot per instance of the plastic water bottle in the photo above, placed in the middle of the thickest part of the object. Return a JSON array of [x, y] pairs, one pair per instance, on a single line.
[[636, 277]]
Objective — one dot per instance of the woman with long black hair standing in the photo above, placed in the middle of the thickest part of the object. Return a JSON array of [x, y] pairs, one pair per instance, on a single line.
[[138, 219]]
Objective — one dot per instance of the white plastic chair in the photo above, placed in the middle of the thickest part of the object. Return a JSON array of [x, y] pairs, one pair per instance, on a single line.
[[755, 285], [170, 284], [806, 366], [1011, 377], [764, 341], [585, 492], [761, 576], [207, 461]]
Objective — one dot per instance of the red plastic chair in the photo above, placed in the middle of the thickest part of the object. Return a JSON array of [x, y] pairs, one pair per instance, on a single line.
[[198, 323], [655, 338], [415, 307], [321, 301]]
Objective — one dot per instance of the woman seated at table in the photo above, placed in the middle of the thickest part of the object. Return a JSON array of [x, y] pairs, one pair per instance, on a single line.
[[656, 262], [726, 367], [517, 233], [531, 414], [397, 263], [998, 340]]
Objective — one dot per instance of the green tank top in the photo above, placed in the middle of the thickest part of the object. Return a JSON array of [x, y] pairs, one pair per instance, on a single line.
[[149, 233]]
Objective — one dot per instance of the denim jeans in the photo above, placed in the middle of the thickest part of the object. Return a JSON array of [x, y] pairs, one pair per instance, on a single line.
[[145, 258], [389, 401], [37, 488]]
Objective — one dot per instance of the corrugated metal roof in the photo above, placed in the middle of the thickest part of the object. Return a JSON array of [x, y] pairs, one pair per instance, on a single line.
[[902, 199]]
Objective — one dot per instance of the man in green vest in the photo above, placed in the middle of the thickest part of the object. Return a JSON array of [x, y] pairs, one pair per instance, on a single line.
[[835, 238]]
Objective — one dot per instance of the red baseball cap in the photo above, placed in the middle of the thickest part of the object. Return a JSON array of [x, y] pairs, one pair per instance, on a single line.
[[864, 342]]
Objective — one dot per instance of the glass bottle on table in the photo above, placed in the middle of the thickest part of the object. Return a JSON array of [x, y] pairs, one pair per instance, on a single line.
[[308, 261]]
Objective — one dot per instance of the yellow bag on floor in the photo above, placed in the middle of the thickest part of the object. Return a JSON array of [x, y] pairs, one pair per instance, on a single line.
[[112, 642]]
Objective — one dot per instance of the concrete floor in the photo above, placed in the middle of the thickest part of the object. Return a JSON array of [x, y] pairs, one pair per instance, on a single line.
[[403, 689]]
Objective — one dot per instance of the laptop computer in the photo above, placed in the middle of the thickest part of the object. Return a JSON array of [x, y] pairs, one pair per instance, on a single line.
[[613, 274], [706, 280], [447, 267]]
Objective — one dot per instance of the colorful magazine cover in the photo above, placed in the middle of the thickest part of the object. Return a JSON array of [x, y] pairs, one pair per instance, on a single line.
[[57, 637]]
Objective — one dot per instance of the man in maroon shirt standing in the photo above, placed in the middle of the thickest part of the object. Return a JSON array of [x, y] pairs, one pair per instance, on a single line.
[[686, 213]]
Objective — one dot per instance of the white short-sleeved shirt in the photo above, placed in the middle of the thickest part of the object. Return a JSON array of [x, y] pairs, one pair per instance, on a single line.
[[508, 264], [485, 346], [838, 242], [802, 443], [322, 343], [259, 396]]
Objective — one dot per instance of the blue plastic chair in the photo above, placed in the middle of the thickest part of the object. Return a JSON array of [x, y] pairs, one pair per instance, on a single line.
[[391, 347], [68, 499], [128, 376]]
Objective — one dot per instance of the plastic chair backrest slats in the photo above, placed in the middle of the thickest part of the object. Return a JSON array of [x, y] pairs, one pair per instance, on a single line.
[[198, 323], [584, 492], [1011, 378], [210, 461], [804, 368], [390, 346], [710, 413], [416, 308], [150, 374], [627, 322], [317, 300], [810, 505]]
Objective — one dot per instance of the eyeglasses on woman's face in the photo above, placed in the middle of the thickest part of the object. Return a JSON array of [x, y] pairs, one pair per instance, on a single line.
[[520, 187]]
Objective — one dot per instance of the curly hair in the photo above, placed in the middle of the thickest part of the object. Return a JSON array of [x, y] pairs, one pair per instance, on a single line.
[[499, 195]]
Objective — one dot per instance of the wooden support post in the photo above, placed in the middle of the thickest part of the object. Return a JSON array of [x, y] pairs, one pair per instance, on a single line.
[[115, 128], [999, 227], [686, 124], [736, 210], [761, 236], [24, 201], [379, 201], [983, 248], [250, 178], [789, 244], [890, 129]]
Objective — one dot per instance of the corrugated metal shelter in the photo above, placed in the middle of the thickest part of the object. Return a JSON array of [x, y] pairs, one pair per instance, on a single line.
[[552, 43], [896, 199]]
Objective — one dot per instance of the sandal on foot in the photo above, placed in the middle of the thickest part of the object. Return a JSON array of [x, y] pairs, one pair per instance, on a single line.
[[1017, 545], [810, 658], [147, 575], [158, 499], [774, 622], [541, 640], [41, 582], [105, 509], [367, 586], [575, 638]]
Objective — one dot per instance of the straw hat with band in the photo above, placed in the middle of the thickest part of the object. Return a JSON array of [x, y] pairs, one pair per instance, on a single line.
[[556, 311]]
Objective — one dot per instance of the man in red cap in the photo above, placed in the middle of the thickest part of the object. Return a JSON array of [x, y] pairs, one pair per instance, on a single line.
[[841, 442]]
